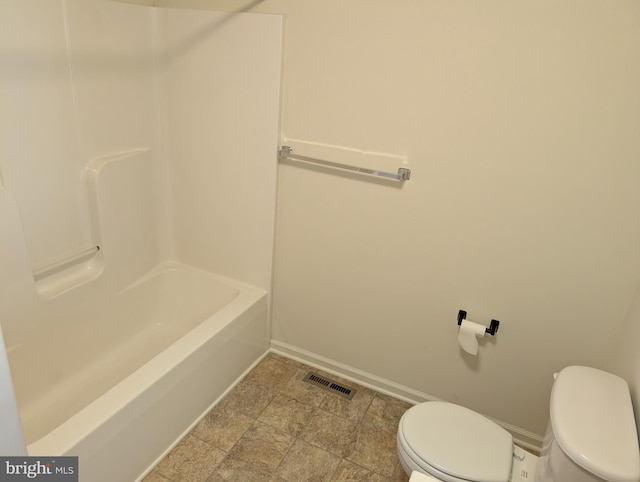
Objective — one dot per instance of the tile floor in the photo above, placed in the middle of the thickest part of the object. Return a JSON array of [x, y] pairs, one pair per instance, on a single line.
[[275, 427]]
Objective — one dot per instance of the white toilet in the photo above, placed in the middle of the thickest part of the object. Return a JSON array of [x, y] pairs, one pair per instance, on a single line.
[[591, 437]]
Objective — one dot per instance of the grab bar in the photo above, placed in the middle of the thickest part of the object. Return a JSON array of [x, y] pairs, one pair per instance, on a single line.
[[403, 174]]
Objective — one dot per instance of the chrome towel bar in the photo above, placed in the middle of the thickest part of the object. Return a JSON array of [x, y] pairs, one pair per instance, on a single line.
[[403, 174]]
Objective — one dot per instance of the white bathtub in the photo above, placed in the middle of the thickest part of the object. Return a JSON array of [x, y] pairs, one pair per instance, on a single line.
[[119, 381]]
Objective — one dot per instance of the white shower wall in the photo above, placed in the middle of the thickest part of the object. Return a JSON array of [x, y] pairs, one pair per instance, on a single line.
[[80, 84], [85, 79], [222, 119]]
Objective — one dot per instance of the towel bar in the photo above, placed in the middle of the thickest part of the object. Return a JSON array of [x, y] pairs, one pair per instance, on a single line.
[[403, 174]]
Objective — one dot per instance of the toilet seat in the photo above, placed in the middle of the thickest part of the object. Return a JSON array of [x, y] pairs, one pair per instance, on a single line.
[[455, 444]]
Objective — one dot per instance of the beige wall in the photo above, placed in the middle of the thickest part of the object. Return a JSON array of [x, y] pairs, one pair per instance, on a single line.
[[520, 122], [626, 358]]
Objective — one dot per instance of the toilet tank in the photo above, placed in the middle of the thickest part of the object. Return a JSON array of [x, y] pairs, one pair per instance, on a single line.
[[592, 435]]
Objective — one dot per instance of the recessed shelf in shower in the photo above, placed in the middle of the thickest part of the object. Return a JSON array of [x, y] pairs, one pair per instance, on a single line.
[[61, 275]]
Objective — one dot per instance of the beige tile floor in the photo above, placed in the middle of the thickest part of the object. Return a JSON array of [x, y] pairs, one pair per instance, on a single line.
[[275, 427]]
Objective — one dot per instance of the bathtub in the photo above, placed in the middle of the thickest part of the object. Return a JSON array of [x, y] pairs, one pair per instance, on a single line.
[[118, 380]]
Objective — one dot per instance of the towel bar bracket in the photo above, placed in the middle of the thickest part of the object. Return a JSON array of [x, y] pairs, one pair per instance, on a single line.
[[404, 173]]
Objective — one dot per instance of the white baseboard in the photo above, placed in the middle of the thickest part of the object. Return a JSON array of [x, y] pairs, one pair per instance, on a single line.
[[521, 437]]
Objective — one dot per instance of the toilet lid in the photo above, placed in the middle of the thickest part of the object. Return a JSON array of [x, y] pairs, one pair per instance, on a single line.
[[458, 442]]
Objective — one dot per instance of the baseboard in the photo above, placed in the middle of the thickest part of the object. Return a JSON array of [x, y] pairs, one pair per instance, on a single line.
[[523, 438]]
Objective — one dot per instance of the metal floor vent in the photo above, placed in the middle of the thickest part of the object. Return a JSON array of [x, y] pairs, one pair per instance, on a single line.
[[330, 385]]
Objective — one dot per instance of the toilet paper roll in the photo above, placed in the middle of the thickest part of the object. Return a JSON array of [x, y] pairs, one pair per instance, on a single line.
[[468, 336]]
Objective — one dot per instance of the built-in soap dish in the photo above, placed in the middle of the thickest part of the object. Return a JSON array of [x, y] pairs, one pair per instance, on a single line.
[[62, 275]]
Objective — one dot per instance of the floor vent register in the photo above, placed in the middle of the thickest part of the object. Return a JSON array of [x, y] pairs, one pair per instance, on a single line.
[[329, 385]]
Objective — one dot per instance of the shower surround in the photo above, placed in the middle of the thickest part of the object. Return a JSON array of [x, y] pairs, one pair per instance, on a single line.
[[137, 200]]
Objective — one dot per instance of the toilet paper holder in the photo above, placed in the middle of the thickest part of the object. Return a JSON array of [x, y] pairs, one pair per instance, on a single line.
[[493, 327]]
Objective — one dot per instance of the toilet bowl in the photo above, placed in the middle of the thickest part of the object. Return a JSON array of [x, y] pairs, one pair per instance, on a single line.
[[592, 437], [461, 444], [420, 477]]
